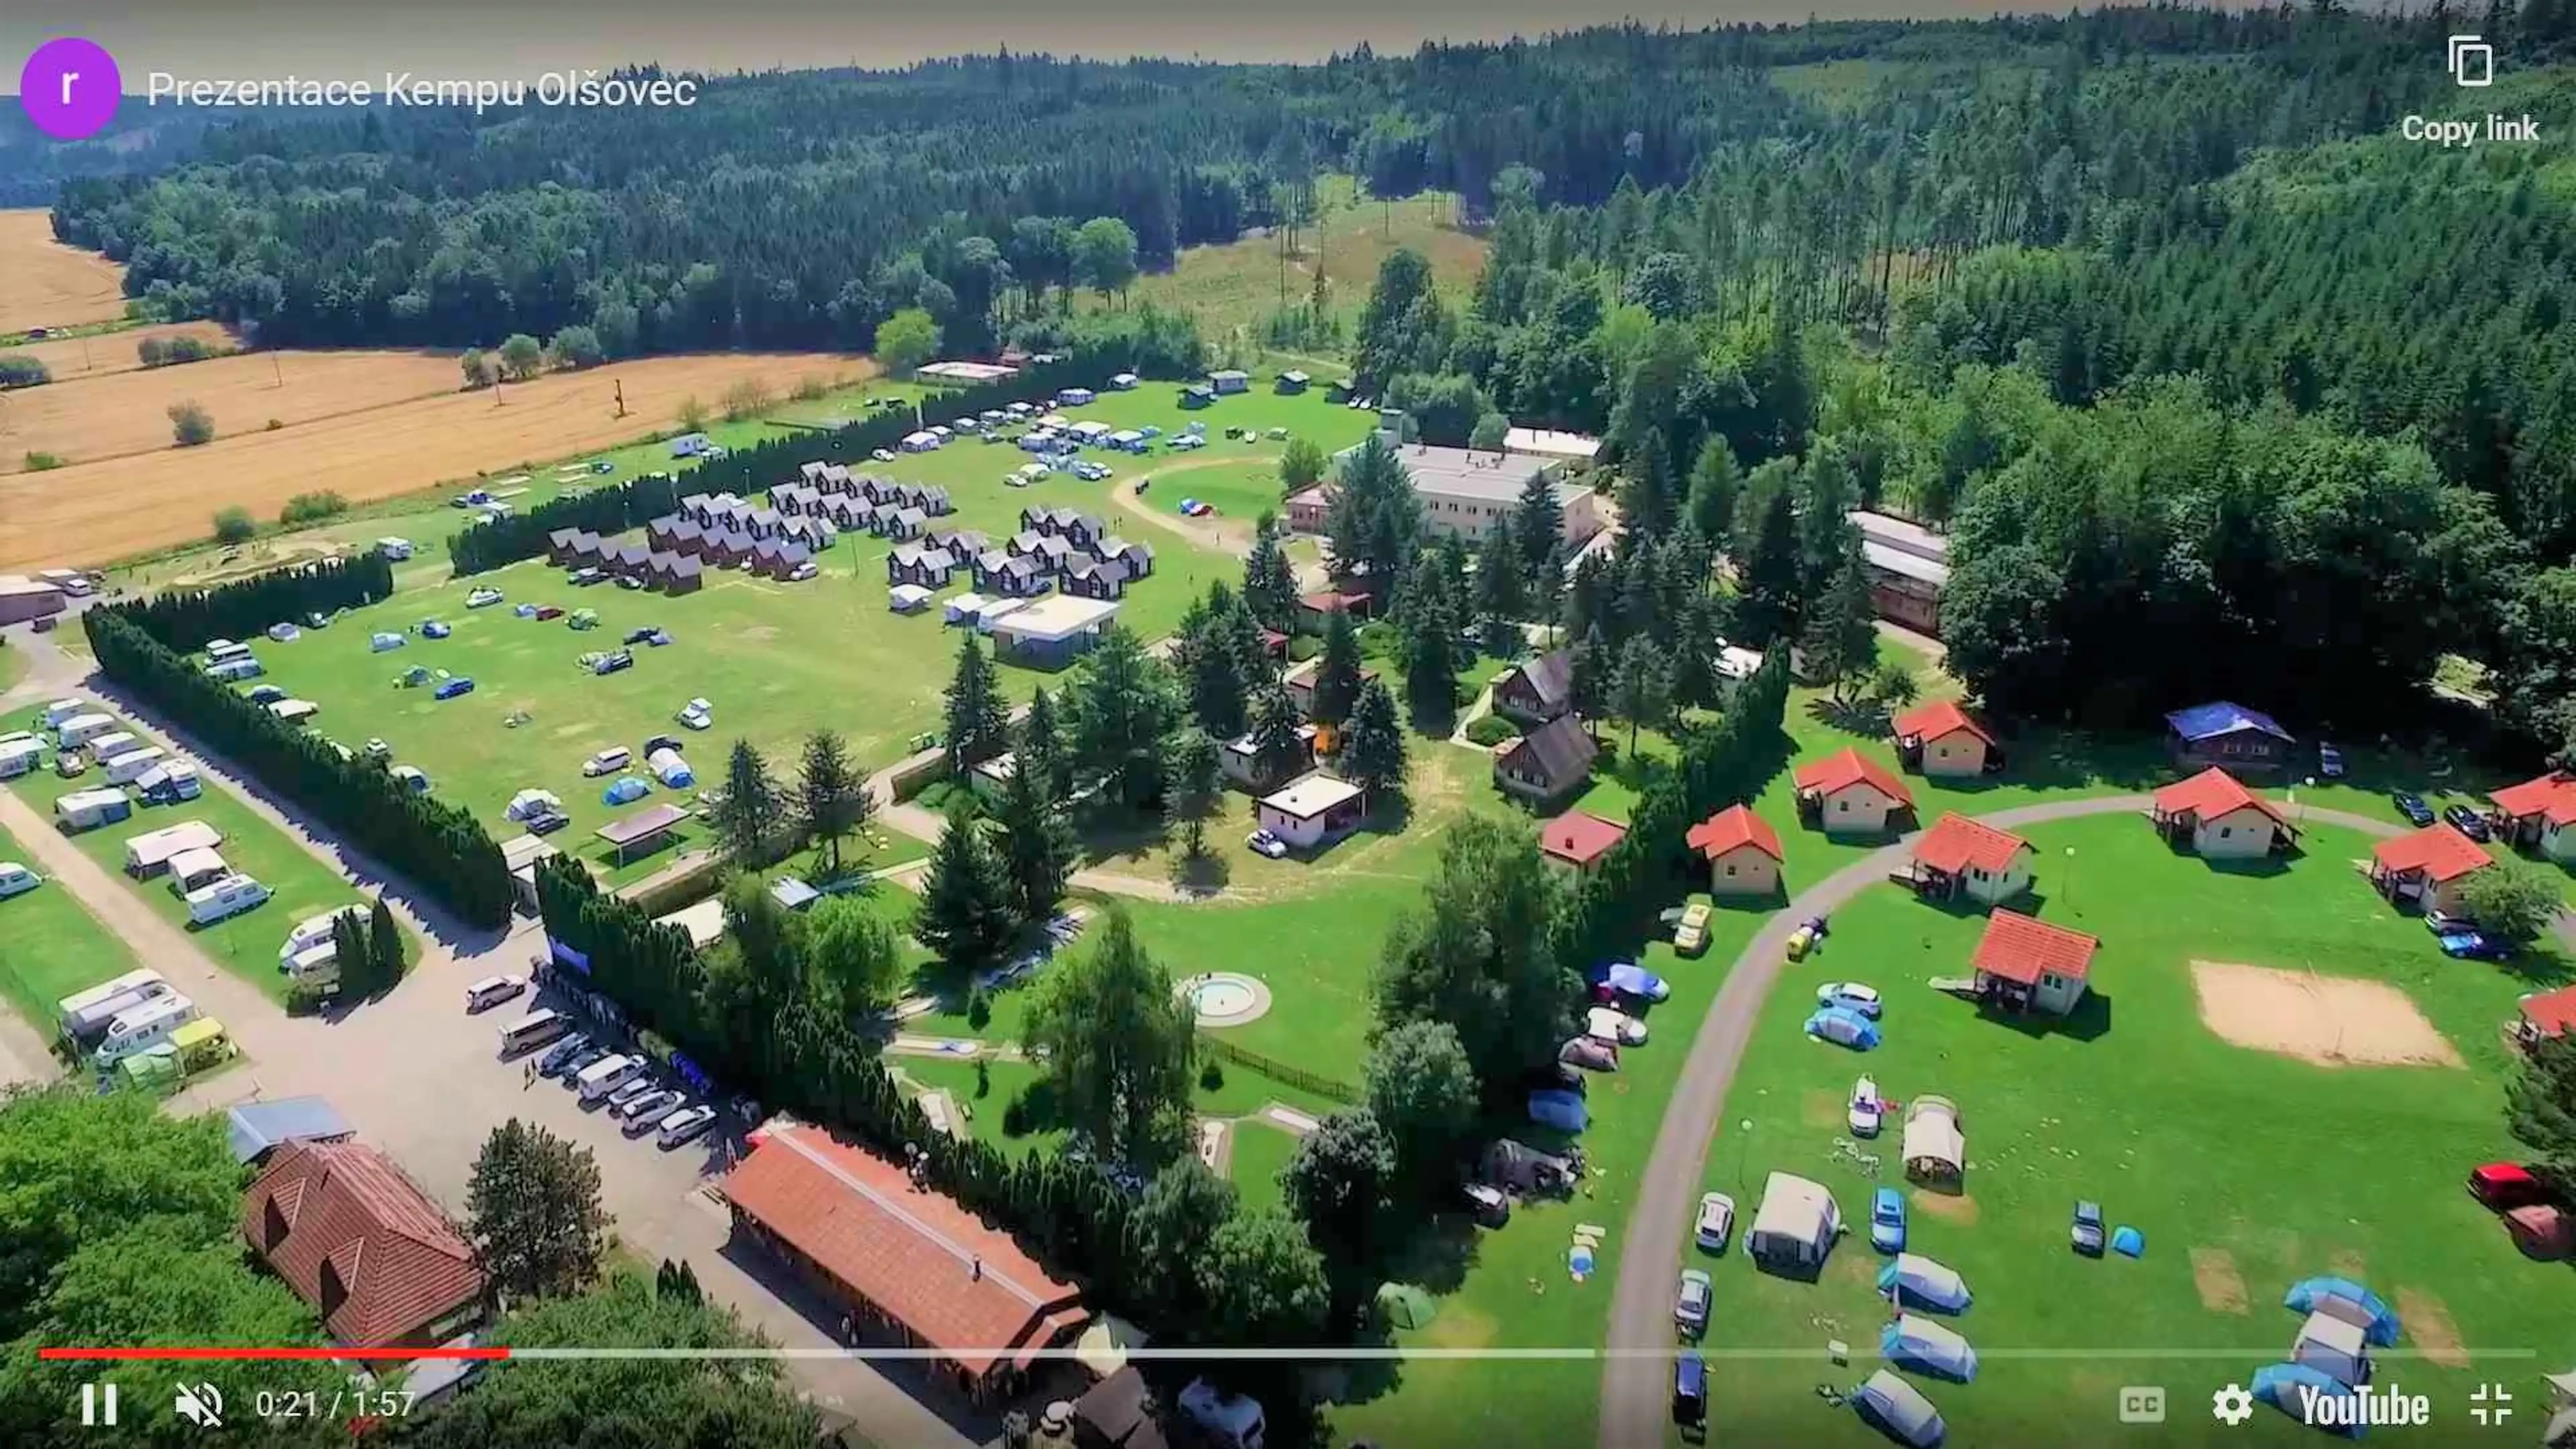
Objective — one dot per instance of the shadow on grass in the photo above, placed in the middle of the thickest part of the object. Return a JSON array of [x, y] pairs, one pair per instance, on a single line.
[[2089, 1021], [2260, 867], [1436, 1257], [1868, 719]]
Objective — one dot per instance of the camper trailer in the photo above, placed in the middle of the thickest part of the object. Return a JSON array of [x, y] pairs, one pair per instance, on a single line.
[[195, 867], [223, 899], [225, 651], [145, 1026], [63, 709], [20, 756], [80, 729], [86, 809], [234, 671], [85, 1013], [132, 765], [313, 966], [166, 784]]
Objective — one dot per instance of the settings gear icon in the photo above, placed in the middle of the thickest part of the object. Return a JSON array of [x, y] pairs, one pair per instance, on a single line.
[[2231, 1405]]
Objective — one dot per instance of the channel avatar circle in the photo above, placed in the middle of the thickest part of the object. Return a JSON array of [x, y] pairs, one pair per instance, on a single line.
[[70, 87]]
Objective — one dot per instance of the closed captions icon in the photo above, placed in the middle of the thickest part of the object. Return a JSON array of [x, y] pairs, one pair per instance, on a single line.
[[2142, 1404]]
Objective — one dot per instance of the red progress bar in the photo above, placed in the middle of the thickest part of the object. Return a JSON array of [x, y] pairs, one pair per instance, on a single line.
[[268, 1355]]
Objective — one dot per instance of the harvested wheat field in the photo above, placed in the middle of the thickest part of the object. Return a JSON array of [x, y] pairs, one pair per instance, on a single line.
[[93, 419], [2331, 1021], [96, 513], [70, 359], [44, 283]]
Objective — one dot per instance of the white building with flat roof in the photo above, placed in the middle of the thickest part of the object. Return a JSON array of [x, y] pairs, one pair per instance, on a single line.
[[1314, 812], [1464, 491]]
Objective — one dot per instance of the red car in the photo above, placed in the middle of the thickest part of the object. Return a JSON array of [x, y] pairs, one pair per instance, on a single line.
[[548, 611], [2504, 1186]]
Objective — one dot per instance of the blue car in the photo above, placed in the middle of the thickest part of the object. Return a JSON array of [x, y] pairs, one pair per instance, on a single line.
[[1887, 1220], [2412, 806], [452, 688], [2474, 946]]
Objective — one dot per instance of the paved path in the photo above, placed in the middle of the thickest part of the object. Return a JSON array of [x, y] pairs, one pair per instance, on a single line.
[[906, 818], [1635, 1391]]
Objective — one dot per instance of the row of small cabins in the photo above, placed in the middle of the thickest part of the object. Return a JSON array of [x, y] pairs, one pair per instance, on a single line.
[[666, 569], [1055, 547]]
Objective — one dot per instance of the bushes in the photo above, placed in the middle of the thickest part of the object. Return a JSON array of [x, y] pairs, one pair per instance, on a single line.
[[43, 462], [312, 508], [501, 541], [1491, 730], [746, 400], [235, 525], [183, 620], [17, 369], [191, 425], [171, 351]]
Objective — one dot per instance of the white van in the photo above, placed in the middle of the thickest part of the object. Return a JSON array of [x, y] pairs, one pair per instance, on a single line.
[[533, 1030], [80, 729], [17, 880], [131, 766], [608, 761], [224, 899], [233, 671], [491, 991], [147, 1025], [222, 651], [606, 1075], [313, 966]]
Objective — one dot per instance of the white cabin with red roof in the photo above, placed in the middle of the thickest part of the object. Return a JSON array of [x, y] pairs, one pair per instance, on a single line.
[[1940, 740], [2220, 819], [1742, 851], [2025, 964], [1962, 857], [1850, 793], [2539, 815]]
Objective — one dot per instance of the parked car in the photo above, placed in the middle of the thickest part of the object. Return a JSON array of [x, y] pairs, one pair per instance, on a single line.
[[1866, 1113], [634, 1087], [1887, 1220], [686, 1123], [2468, 822], [584, 578], [1264, 842], [2466, 945], [1850, 995], [643, 1112], [1716, 1221], [16, 879], [546, 821], [697, 714], [452, 688], [482, 598], [1489, 1206], [1691, 1300], [570, 1055], [608, 761], [2085, 1234], [659, 743], [1691, 936], [548, 612], [2504, 1186], [265, 694], [2329, 761], [638, 636], [491, 991], [2412, 806], [629, 582]]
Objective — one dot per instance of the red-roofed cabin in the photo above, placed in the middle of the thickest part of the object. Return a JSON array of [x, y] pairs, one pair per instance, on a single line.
[[2547, 1014], [353, 1237], [2426, 868], [2218, 818], [1576, 841], [1958, 856], [897, 1256], [1940, 740], [1315, 610], [2025, 964], [1849, 793], [2539, 815], [1742, 851]]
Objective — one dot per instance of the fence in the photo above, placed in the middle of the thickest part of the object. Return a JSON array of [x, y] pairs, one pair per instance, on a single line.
[[1330, 1088]]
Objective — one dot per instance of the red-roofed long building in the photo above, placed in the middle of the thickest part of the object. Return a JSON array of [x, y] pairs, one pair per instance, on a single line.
[[1959, 856], [2025, 964], [352, 1236], [2539, 815], [2425, 868], [2214, 814], [1942, 741], [1742, 851], [1576, 840], [896, 1254], [2545, 1014], [1848, 792]]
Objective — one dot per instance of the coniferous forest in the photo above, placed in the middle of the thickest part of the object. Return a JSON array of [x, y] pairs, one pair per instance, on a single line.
[[2152, 308]]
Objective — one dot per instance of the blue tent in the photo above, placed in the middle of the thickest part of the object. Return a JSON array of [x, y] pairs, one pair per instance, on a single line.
[[2383, 1328], [2128, 1242], [1631, 979], [625, 790], [2285, 1385], [672, 770], [1914, 1281], [1844, 1027], [1563, 1111]]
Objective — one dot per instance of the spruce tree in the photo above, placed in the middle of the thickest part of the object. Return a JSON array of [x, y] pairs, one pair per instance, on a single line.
[[751, 815], [978, 718], [1538, 522], [384, 945], [1042, 747], [966, 912], [1038, 845], [1372, 745], [1337, 675]]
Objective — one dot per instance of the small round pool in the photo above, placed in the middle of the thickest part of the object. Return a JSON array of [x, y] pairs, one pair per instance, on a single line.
[[1225, 998]]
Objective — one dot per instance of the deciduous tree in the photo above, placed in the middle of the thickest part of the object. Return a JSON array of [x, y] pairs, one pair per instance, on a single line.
[[1118, 1042], [1422, 1090], [1476, 953], [532, 1208]]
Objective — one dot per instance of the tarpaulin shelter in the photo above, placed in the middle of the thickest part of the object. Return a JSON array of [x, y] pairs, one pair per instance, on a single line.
[[1914, 1281], [1899, 1410], [1917, 1343]]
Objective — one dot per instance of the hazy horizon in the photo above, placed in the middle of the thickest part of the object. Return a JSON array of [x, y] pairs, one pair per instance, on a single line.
[[324, 39]]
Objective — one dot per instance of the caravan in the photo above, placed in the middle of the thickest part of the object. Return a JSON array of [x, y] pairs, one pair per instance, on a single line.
[[223, 899], [234, 671], [195, 867], [317, 966], [133, 765], [20, 756], [80, 729], [85, 1013], [85, 809], [144, 1026], [225, 651]]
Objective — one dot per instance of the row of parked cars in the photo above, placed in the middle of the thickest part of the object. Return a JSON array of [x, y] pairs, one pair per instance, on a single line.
[[622, 1084]]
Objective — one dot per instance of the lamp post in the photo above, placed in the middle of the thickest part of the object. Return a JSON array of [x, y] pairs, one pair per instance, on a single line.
[[1743, 1140]]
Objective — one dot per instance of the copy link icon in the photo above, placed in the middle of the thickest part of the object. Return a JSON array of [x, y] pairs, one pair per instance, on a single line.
[[2231, 1405], [2470, 60]]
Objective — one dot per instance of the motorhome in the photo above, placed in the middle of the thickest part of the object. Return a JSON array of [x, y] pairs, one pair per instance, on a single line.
[[134, 764], [224, 898], [234, 671], [147, 1025], [221, 651], [80, 729], [606, 1075], [82, 1004]]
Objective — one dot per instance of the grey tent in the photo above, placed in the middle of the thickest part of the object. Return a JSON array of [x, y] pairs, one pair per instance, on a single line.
[[1922, 1346], [1895, 1408], [1519, 1167], [1796, 1224], [1589, 1053], [1914, 1281]]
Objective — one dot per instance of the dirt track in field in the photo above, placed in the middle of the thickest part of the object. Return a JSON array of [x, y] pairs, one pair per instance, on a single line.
[[71, 359], [94, 419], [46, 284], [97, 512]]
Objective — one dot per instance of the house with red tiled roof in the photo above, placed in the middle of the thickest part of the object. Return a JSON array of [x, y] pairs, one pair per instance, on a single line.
[[1959, 856], [1848, 792], [2539, 815], [2426, 868], [2545, 1014], [1742, 851], [2025, 964], [901, 1258], [1576, 840], [353, 1237], [1940, 740], [2218, 818]]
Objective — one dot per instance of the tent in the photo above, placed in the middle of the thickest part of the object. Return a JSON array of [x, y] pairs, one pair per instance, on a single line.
[[1630, 979], [2333, 1346], [1914, 1281], [963, 608], [1935, 1149], [1563, 1111], [1404, 1306], [907, 598], [1844, 1028], [2360, 1304], [381, 642], [1796, 1223], [1898, 1410], [2128, 1242], [1519, 1167], [528, 804], [1925, 1347], [624, 790], [1590, 1054], [671, 769], [2285, 1386]]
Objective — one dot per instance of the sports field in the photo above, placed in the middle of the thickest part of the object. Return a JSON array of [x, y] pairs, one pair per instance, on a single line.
[[51, 947], [777, 660], [367, 425], [46, 284], [2247, 1169]]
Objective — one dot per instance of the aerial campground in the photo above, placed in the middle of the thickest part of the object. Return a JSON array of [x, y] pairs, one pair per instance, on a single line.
[[1834, 733]]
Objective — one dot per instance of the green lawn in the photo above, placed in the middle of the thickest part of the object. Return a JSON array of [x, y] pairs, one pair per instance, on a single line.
[[778, 661], [13, 666], [2275, 1168], [1261, 1152], [1240, 490], [51, 947], [246, 944]]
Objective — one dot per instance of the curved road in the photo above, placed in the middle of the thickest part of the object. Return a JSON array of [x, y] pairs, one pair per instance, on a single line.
[[1635, 1378]]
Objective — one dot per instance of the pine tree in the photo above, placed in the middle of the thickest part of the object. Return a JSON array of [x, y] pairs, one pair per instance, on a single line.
[[1641, 693], [1430, 657], [1767, 606], [1278, 748], [1043, 750], [1269, 581], [1589, 673], [1647, 503], [978, 718], [1694, 658], [1714, 482], [350, 952], [1337, 675], [751, 816], [1210, 664], [1039, 848], [1502, 597], [1372, 749], [1840, 641], [384, 945], [1191, 780], [966, 910], [1538, 522]]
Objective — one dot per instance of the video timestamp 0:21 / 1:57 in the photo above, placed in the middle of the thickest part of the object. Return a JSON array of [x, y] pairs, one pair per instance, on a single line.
[[351, 1403]]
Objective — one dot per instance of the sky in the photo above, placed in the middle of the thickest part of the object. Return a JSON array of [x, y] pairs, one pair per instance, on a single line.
[[518, 39]]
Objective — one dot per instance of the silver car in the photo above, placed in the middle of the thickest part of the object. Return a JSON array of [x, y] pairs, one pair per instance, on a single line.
[[686, 1123], [648, 1109]]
